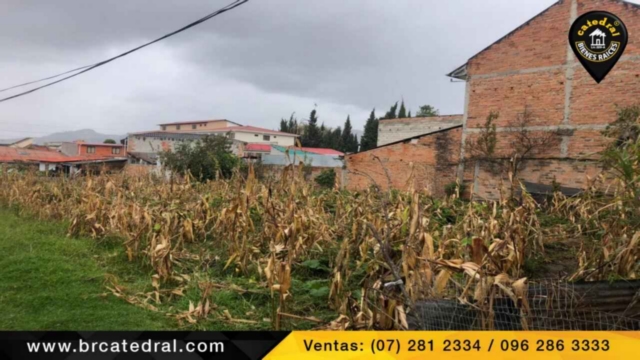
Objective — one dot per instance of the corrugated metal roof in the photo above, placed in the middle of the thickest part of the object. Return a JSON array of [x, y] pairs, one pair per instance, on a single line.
[[302, 151], [255, 147], [8, 154], [322, 151], [309, 159]]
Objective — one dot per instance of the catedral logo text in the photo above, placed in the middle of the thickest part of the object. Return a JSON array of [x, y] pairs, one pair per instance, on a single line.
[[598, 39]]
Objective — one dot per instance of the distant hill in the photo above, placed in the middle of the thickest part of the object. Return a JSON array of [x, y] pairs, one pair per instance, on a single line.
[[87, 135]]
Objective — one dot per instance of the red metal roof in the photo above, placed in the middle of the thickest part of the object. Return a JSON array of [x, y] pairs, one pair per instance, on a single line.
[[321, 151], [8, 154], [254, 147]]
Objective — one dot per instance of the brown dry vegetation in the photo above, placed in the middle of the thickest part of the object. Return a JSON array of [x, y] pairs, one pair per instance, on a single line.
[[382, 251]]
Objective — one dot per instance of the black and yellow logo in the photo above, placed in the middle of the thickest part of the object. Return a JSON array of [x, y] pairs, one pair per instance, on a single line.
[[598, 39]]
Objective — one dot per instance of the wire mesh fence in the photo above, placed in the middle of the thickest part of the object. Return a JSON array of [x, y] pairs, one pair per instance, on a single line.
[[546, 305]]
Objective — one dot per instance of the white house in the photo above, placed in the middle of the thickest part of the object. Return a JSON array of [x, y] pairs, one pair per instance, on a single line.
[[143, 144]]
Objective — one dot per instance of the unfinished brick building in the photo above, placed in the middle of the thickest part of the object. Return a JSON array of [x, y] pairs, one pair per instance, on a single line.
[[425, 162], [530, 74], [534, 68]]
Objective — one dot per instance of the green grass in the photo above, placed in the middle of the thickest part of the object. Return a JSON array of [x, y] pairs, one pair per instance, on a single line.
[[51, 282]]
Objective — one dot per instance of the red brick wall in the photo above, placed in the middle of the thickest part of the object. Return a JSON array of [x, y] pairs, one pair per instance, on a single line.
[[531, 68], [536, 44], [430, 161], [576, 173], [102, 150]]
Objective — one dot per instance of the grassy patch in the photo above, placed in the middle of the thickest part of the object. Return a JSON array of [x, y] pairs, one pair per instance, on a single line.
[[51, 282]]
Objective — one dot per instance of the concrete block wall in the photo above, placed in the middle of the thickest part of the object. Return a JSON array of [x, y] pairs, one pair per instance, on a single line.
[[392, 130]]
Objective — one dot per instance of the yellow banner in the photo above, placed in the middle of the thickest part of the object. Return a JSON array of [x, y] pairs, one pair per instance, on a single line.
[[451, 345]]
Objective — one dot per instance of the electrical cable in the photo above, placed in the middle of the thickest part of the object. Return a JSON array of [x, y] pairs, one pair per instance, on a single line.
[[101, 63]]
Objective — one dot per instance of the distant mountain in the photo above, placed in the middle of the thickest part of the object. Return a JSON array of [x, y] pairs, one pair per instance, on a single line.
[[87, 135]]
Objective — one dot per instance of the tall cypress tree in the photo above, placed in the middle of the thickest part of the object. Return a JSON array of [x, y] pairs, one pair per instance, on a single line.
[[336, 139], [311, 136], [354, 143], [346, 135], [403, 111], [283, 125], [391, 114], [369, 139]]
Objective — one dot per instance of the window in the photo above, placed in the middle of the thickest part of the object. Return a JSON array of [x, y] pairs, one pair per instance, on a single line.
[[193, 126], [91, 149], [275, 137], [177, 127], [256, 135], [232, 135], [164, 127], [266, 137], [115, 150]]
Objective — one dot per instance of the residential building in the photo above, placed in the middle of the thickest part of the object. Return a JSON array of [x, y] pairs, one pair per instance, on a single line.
[[52, 161], [144, 144], [202, 125], [22, 143], [154, 142], [80, 147]]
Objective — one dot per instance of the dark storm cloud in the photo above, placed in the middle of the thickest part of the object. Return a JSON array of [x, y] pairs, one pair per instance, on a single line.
[[255, 64]]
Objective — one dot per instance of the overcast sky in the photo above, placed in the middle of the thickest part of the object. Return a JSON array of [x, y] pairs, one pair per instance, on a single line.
[[253, 65]]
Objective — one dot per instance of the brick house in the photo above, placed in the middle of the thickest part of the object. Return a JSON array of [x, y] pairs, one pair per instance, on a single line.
[[99, 149], [534, 68], [531, 71]]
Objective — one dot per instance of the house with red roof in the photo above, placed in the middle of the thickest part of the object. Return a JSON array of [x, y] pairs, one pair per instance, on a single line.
[[47, 160]]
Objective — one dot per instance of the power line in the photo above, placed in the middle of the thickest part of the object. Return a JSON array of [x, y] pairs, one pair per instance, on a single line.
[[47, 78], [84, 69]]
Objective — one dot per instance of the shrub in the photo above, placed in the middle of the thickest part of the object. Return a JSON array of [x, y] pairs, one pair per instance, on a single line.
[[452, 187], [326, 179], [205, 159]]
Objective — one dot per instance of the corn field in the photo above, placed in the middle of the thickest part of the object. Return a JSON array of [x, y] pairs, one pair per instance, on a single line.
[[384, 251]]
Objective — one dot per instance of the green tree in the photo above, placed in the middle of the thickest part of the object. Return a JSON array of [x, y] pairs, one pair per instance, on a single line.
[[391, 114], [311, 135], [290, 126], [283, 125], [347, 137], [109, 141], [205, 159], [403, 111], [426, 111], [336, 139], [369, 139], [354, 144]]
